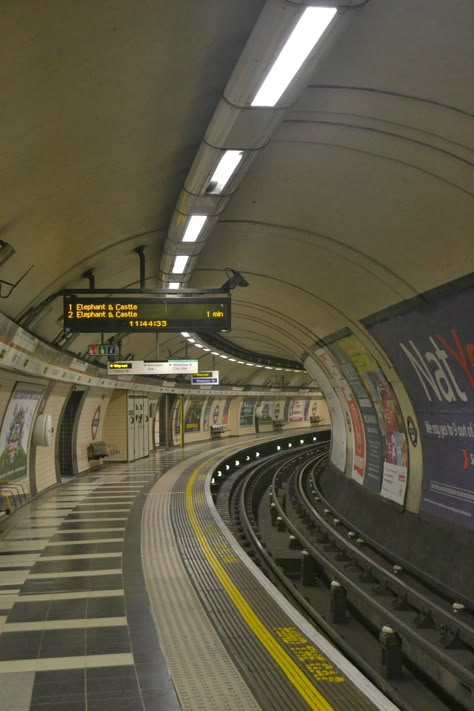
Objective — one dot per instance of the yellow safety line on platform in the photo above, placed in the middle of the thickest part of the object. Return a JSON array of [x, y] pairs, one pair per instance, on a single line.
[[292, 671]]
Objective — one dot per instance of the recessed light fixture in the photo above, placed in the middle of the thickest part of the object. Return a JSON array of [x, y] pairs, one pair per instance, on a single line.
[[224, 171], [180, 263], [298, 46], [174, 285], [214, 353], [191, 340], [193, 228], [198, 345], [185, 334]]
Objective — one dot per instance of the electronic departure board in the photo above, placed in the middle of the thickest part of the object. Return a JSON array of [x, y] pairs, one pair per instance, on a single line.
[[145, 315]]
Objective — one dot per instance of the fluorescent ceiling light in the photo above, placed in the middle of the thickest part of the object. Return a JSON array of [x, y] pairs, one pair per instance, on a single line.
[[224, 171], [214, 353], [193, 228], [207, 349], [241, 362], [234, 360], [221, 355], [250, 364], [198, 345], [180, 264], [298, 46], [174, 285], [185, 334], [191, 340]]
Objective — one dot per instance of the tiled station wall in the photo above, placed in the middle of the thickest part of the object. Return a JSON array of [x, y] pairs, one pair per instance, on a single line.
[[44, 457], [103, 416]]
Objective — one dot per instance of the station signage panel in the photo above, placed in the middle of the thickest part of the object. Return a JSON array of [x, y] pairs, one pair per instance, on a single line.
[[206, 377], [107, 349], [147, 367], [105, 314]]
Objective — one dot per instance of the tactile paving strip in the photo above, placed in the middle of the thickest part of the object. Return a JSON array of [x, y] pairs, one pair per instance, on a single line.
[[203, 673]]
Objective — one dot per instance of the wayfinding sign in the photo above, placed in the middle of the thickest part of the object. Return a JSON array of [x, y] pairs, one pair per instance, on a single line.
[[205, 377], [106, 314], [147, 367]]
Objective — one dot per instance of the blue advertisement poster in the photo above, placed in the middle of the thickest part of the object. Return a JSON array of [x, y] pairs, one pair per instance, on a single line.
[[432, 348], [247, 410], [192, 420]]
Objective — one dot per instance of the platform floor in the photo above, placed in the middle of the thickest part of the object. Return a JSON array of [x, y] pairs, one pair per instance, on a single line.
[[120, 590]]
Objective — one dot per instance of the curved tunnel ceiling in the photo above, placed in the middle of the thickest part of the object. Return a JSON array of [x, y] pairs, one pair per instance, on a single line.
[[361, 198]]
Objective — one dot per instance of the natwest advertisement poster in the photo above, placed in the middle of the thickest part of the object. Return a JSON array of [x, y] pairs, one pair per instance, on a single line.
[[432, 348]]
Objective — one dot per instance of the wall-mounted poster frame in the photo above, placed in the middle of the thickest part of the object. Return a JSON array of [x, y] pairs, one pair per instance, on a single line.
[[16, 430]]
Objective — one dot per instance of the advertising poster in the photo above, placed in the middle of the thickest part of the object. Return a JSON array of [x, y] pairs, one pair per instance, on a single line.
[[432, 348], [391, 428], [306, 410], [338, 454], [207, 412], [296, 411], [176, 417], [247, 410], [16, 430], [265, 412], [353, 416], [373, 438], [225, 410], [192, 420]]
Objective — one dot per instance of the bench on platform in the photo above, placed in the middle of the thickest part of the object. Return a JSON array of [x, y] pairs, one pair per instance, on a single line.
[[97, 450], [218, 429]]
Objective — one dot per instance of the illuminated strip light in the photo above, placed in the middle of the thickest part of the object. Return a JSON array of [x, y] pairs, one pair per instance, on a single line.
[[298, 46], [224, 171], [180, 264], [174, 285], [193, 228]]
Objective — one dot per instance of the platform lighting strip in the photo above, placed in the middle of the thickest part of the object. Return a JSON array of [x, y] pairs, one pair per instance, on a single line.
[[225, 170], [194, 228], [296, 50], [195, 343], [303, 39], [180, 264]]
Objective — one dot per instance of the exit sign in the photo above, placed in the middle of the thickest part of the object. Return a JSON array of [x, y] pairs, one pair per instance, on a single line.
[[107, 349]]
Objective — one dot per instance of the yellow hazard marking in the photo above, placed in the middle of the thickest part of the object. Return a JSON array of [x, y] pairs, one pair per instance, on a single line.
[[296, 676], [317, 664]]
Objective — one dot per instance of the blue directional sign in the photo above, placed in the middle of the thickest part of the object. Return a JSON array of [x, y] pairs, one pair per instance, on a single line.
[[207, 377]]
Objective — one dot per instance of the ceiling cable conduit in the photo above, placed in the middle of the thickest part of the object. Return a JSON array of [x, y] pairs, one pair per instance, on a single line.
[[276, 63]]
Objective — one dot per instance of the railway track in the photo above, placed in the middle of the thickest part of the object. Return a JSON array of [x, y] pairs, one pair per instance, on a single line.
[[411, 635]]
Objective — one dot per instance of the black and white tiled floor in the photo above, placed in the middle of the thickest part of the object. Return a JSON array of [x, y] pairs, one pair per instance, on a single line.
[[76, 629]]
